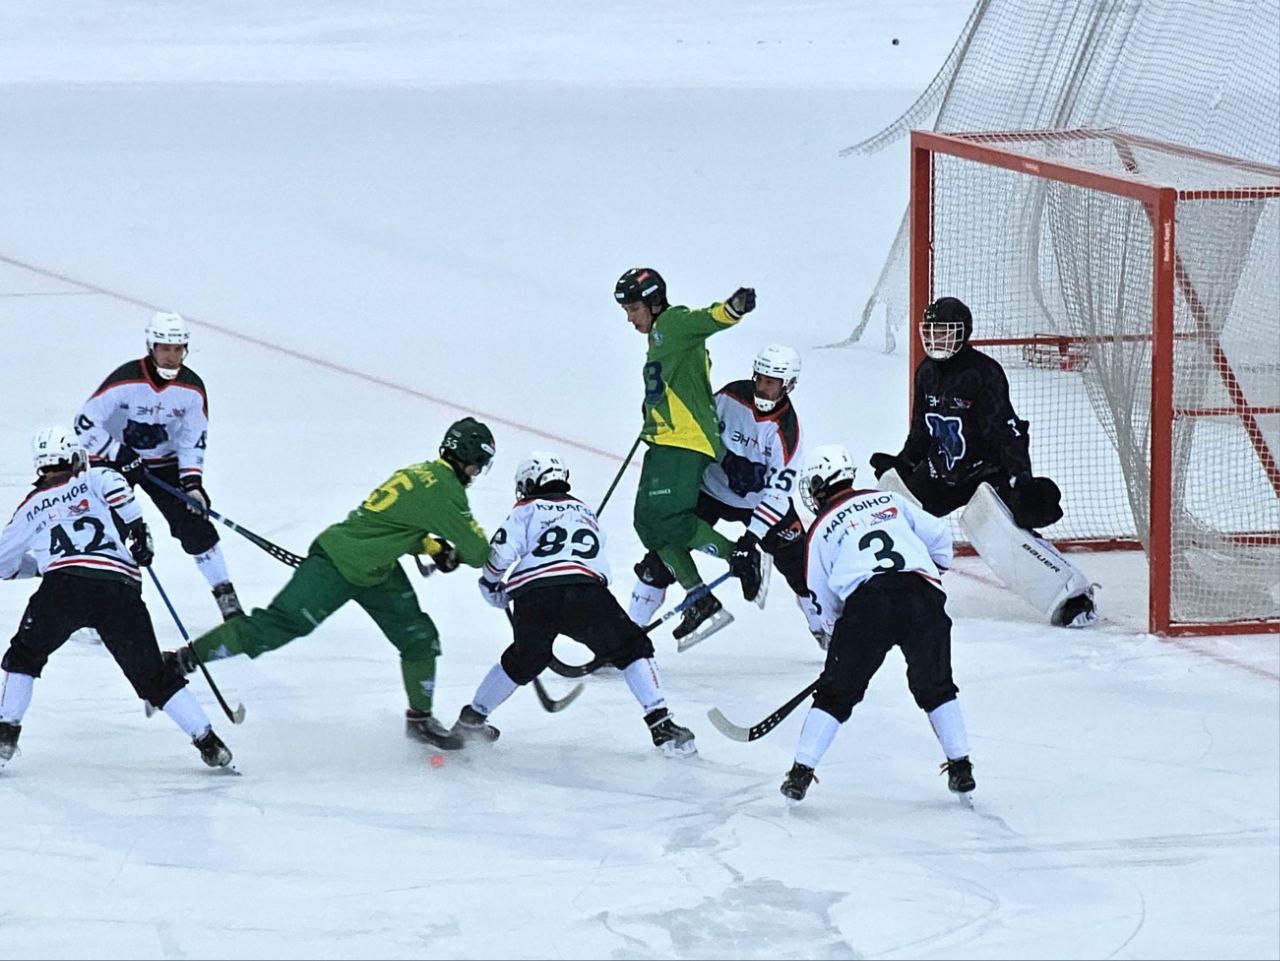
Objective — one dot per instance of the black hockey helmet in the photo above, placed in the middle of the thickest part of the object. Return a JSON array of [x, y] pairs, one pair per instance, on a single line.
[[468, 443], [945, 327], [642, 285]]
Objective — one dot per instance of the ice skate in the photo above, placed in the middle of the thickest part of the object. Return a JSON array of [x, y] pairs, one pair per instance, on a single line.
[[420, 726], [668, 736]]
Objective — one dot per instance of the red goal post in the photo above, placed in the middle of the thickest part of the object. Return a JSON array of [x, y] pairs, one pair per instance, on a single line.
[[1130, 289]]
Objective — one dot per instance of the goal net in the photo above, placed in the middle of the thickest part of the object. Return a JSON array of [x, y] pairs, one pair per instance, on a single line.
[[1130, 288]]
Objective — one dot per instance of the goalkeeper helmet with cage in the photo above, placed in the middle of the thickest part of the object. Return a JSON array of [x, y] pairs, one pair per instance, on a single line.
[[539, 469], [827, 470], [468, 448], [58, 448], [782, 362], [166, 327], [642, 285], [945, 327]]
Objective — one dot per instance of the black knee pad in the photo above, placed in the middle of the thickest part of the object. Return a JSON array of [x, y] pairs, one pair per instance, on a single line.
[[20, 660], [167, 683], [653, 572], [520, 667], [838, 704], [196, 536], [934, 697], [636, 650]]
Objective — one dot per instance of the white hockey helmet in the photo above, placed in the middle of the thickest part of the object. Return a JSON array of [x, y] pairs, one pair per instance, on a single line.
[[166, 327], [58, 447], [540, 467], [782, 362], [824, 467]]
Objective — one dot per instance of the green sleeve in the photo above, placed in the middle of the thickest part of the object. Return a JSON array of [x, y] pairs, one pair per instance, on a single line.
[[689, 327], [460, 529]]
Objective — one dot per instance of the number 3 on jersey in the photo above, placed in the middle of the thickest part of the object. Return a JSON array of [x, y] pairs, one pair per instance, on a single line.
[[888, 559]]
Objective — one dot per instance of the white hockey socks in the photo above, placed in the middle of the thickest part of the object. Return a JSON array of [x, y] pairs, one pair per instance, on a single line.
[[496, 687], [816, 736], [646, 684], [213, 566], [645, 601], [948, 728], [187, 713], [15, 697], [1029, 566]]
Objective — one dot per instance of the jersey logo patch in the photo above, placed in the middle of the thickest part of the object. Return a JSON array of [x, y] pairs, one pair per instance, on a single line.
[[744, 476], [948, 435], [143, 436], [888, 514], [80, 508]]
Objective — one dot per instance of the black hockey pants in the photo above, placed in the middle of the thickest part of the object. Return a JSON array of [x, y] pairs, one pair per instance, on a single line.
[[893, 608], [66, 602], [586, 612]]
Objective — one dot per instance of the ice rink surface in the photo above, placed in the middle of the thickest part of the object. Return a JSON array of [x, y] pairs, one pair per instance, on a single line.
[[381, 217]]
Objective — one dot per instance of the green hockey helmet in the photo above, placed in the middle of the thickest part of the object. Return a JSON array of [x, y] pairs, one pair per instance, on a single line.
[[642, 285], [468, 443]]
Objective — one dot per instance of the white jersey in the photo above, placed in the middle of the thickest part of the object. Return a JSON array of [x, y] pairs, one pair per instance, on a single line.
[[68, 523], [165, 421], [550, 539], [762, 455], [864, 533]]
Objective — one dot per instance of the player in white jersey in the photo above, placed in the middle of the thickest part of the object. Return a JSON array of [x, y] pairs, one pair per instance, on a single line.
[[752, 483], [81, 530], [548, 560], [875, 563], [150, 418]]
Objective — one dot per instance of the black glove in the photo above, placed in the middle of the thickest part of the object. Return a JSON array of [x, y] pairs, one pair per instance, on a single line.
[[742, 559], [130, 463], [741, 301], [1020, 480], [195, 490], [140, 544], [880, 463], [447, 559]]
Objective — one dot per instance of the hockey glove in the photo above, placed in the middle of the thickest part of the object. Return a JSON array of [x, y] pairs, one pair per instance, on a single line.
[[1020, 480], [195, 490], [130, 463], [494, 593], [881, 463], [741, 301], [140, 544], [744, 554], [446, 558]]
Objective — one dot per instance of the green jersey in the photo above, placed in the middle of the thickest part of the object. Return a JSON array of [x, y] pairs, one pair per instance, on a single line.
[[417, 502], [679, 410]]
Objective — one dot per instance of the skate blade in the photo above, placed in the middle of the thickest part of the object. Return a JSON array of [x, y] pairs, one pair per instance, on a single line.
[[715, 622], [766, 569], [670, 749], [965, 798]]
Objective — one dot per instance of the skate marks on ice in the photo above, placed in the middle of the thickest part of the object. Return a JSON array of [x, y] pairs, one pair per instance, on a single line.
[[759, 918]]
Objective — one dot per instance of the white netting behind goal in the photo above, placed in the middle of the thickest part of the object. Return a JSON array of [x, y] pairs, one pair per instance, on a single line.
[[1059, 277], [1205, 73]]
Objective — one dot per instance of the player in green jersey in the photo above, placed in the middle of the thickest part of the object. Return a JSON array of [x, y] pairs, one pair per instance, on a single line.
[[421, 509], [682, 437]]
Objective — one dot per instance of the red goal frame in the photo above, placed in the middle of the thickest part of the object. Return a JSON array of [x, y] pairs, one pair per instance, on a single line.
[[1160, 201]]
